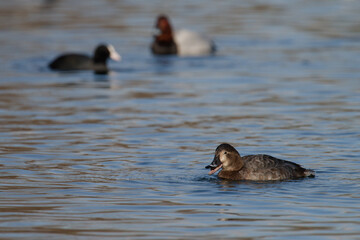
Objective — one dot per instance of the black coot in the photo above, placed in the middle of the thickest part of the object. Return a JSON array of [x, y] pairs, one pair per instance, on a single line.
[[75, 61]]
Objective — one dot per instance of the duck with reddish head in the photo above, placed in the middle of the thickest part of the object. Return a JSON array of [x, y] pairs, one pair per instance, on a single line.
[[183, 42]]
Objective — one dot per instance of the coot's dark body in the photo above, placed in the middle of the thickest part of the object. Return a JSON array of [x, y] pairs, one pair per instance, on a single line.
[[75, 61]]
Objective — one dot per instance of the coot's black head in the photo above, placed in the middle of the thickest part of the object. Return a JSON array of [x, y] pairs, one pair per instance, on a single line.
[[101, 55], [104, 52]]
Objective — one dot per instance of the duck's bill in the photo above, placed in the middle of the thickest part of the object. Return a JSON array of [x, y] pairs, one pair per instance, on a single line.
[[215, 169], [211, 166], [215, 165]]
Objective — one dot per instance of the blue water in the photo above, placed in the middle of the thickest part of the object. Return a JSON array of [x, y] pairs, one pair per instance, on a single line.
[[122, 156]]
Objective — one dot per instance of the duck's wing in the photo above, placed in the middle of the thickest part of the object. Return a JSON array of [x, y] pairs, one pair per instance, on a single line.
[[267, 161], [265, 167]]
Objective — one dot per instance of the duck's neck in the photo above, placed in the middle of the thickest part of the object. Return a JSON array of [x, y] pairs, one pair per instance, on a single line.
[[166, 37], [235, 165]]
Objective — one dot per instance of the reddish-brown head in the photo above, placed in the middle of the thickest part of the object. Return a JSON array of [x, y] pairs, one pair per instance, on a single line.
[[164, 27]]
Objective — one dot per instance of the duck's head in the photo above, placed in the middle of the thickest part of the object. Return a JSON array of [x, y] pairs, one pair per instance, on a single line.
[[163, 28], [227, 158]]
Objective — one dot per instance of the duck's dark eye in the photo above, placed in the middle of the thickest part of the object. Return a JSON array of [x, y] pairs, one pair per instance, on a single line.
[[225, 152]]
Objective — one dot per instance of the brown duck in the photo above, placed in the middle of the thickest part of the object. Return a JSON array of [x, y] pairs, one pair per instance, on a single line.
[[254, 167]]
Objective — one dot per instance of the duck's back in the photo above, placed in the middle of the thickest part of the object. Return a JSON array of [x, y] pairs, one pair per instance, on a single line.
[[190, 43], [265, 167]]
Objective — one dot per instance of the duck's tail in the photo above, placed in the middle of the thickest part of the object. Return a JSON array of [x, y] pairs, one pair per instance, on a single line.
[[309, 173]]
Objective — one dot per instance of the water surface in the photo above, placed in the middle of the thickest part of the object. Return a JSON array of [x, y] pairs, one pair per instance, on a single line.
[[123, 155]]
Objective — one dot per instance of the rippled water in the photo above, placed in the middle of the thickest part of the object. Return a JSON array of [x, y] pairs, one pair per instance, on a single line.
[[123, 155]]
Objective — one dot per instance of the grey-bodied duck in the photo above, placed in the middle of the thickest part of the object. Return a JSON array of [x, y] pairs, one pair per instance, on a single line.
[[254, 167]]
